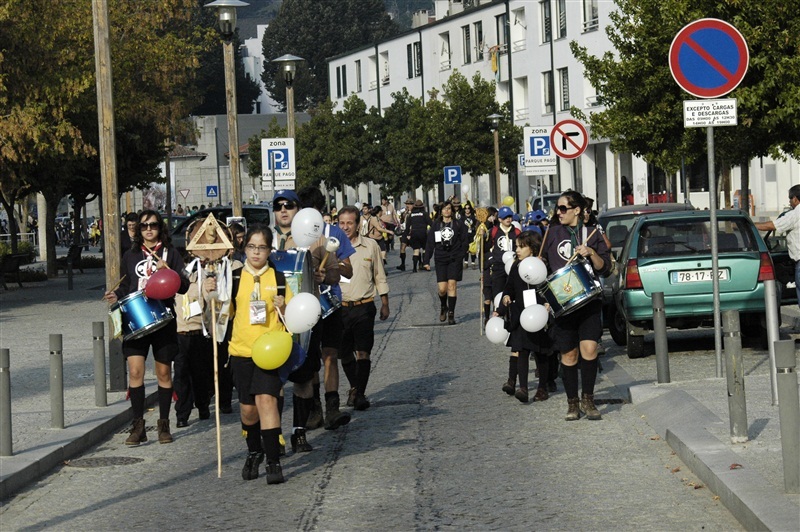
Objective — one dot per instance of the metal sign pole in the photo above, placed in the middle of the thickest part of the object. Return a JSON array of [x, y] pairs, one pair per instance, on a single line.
[[272, 166], [712, 206]]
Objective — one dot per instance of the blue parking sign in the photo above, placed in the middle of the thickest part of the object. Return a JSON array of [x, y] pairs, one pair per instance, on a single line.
[[452, 175], [281, 158], [540, 146]]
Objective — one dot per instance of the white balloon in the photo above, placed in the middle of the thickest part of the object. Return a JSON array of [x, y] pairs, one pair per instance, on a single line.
[[508, 256], [533, 318], [532, 270], [497, 299], [307, 227], [302, 312], [465, 188], [495, 331], [517, 225], [509, 264]]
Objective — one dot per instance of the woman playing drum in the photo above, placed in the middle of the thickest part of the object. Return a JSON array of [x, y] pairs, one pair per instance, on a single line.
[[583, 327], [149, 253]]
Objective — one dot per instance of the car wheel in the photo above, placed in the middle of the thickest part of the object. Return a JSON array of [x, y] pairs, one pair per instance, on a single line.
[[635, 343], [616, 327]]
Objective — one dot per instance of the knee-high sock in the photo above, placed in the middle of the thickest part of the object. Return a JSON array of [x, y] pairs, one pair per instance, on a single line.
[[403, 260], [364, 366], [523, 365], [252, 435], [543, 365], [451, 303], [301, 409], [351, 372], [443, 301], [570, 380], [512, 370], [164, 402], [137, 401], [588, 375], [415, 261], [487, 311], [271, 445]]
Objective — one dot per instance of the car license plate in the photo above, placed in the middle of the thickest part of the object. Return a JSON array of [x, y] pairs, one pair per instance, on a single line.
[[697, 276]]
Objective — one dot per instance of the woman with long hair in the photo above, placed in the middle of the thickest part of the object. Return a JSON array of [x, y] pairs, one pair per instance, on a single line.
[[447, 241]]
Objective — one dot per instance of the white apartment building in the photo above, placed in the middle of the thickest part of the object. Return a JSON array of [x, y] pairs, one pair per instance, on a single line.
[[521, 44]]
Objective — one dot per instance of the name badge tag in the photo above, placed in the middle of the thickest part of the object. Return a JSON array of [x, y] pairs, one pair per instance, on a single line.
[[437, 236], [258, 312], [529, 297], [195, 309], [142, 283]]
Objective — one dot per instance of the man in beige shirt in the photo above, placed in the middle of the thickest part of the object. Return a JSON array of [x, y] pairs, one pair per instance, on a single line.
[[358, 306]]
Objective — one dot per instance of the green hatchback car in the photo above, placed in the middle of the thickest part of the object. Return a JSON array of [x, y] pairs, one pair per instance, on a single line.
[[670, 252]]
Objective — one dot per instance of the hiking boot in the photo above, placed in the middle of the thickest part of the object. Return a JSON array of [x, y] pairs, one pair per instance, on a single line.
[[402, 267], [164, 435], [361, 402], [574, 411], [300, 443], [251, 465], [275, 473], [508, 387], [138, 434], [541, 395], [281, 445], [522, 395], [182, 423], [315, 417], [351, 396], [335, 418], [443, 314], [451, 319], [587, 407]]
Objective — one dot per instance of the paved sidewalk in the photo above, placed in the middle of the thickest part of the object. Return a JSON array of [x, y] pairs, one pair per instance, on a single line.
[[690, 414]]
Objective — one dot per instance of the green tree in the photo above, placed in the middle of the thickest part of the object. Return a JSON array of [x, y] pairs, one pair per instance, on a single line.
[[211, 78], [643, 112], [316, 31]]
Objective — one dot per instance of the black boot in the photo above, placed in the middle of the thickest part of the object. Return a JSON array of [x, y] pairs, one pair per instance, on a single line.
[[402, 266], [334, 418]]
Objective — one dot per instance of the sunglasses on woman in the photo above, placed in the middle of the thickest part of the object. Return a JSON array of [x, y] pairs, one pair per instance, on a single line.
[[148, 225], [563, 209]]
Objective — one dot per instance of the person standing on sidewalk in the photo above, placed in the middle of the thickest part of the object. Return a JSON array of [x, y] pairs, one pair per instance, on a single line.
[[576, 334], [151, 251], [404, 214], [447, 241], [416, 231], [358, 305], [789, 223], [388, 216]]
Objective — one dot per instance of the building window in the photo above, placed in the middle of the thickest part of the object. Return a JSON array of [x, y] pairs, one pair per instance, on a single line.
[[444, 55], [502, 33], [563, 84], [358, 75], [478, 31], [341, 81], [414, 56], [561, 15], [590, 16], [547, 25], [385, 63], [465, 33], [547, 91]]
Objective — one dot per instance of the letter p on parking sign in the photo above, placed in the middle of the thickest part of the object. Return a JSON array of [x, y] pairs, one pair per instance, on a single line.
[[452, 175], [280, 157], [540, 146]]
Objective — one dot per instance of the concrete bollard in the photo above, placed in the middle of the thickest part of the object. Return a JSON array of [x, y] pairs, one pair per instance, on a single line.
[[734, 371], [99, 347], [69, 274], [789, 414], [660, 330], [56, 382], [6, 447]]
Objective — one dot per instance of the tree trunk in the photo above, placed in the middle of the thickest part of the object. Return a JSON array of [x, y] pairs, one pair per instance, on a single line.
[[13, 227], [52, 199]]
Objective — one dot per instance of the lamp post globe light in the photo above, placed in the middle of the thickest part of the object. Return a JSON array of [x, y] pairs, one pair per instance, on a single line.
[[494, 121], [288, 65], [226, 11]]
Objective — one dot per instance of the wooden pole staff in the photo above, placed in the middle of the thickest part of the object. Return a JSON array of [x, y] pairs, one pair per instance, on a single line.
[[480, 250], [216, 385]]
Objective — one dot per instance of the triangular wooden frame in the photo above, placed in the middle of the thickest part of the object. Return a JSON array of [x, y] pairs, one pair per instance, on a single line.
[[221, 240]]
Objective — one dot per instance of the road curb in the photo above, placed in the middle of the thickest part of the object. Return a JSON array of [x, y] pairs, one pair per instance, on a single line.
[[682, 420], [20, 470]]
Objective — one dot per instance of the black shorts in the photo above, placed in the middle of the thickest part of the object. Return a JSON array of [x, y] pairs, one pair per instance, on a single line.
[[359, 330], [449, 270], [327, 333], [164, 342], [306, 371], [250, 380], [382, 244], [418, 241], [583, 324]]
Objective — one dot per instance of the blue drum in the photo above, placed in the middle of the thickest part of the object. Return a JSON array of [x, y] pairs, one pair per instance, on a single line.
[[571, 287], [329, 302], [140, 315]]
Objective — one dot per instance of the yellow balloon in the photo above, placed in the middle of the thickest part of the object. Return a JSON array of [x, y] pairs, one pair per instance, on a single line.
[[271, 350], [508, 201]]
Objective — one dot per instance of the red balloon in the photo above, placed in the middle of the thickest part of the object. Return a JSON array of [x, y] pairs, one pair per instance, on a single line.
[[163, 284]]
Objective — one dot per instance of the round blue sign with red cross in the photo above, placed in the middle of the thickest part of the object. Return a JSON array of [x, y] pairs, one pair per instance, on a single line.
[[708, 58]]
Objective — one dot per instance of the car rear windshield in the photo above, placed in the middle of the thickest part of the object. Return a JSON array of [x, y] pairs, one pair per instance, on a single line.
[[679, 237]]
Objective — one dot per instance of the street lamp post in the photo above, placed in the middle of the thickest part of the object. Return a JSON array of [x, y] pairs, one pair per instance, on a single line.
[[288, 65], [227, 26], [494, 120]]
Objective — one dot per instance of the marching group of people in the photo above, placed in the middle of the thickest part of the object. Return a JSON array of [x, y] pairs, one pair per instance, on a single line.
[[254, 292]]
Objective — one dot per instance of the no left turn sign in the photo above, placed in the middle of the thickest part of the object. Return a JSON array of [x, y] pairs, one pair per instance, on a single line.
[[569, 139]]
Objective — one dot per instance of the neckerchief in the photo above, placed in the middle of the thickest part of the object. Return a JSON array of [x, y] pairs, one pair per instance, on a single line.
[[573, 235], [151, 261], [256, 295]]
